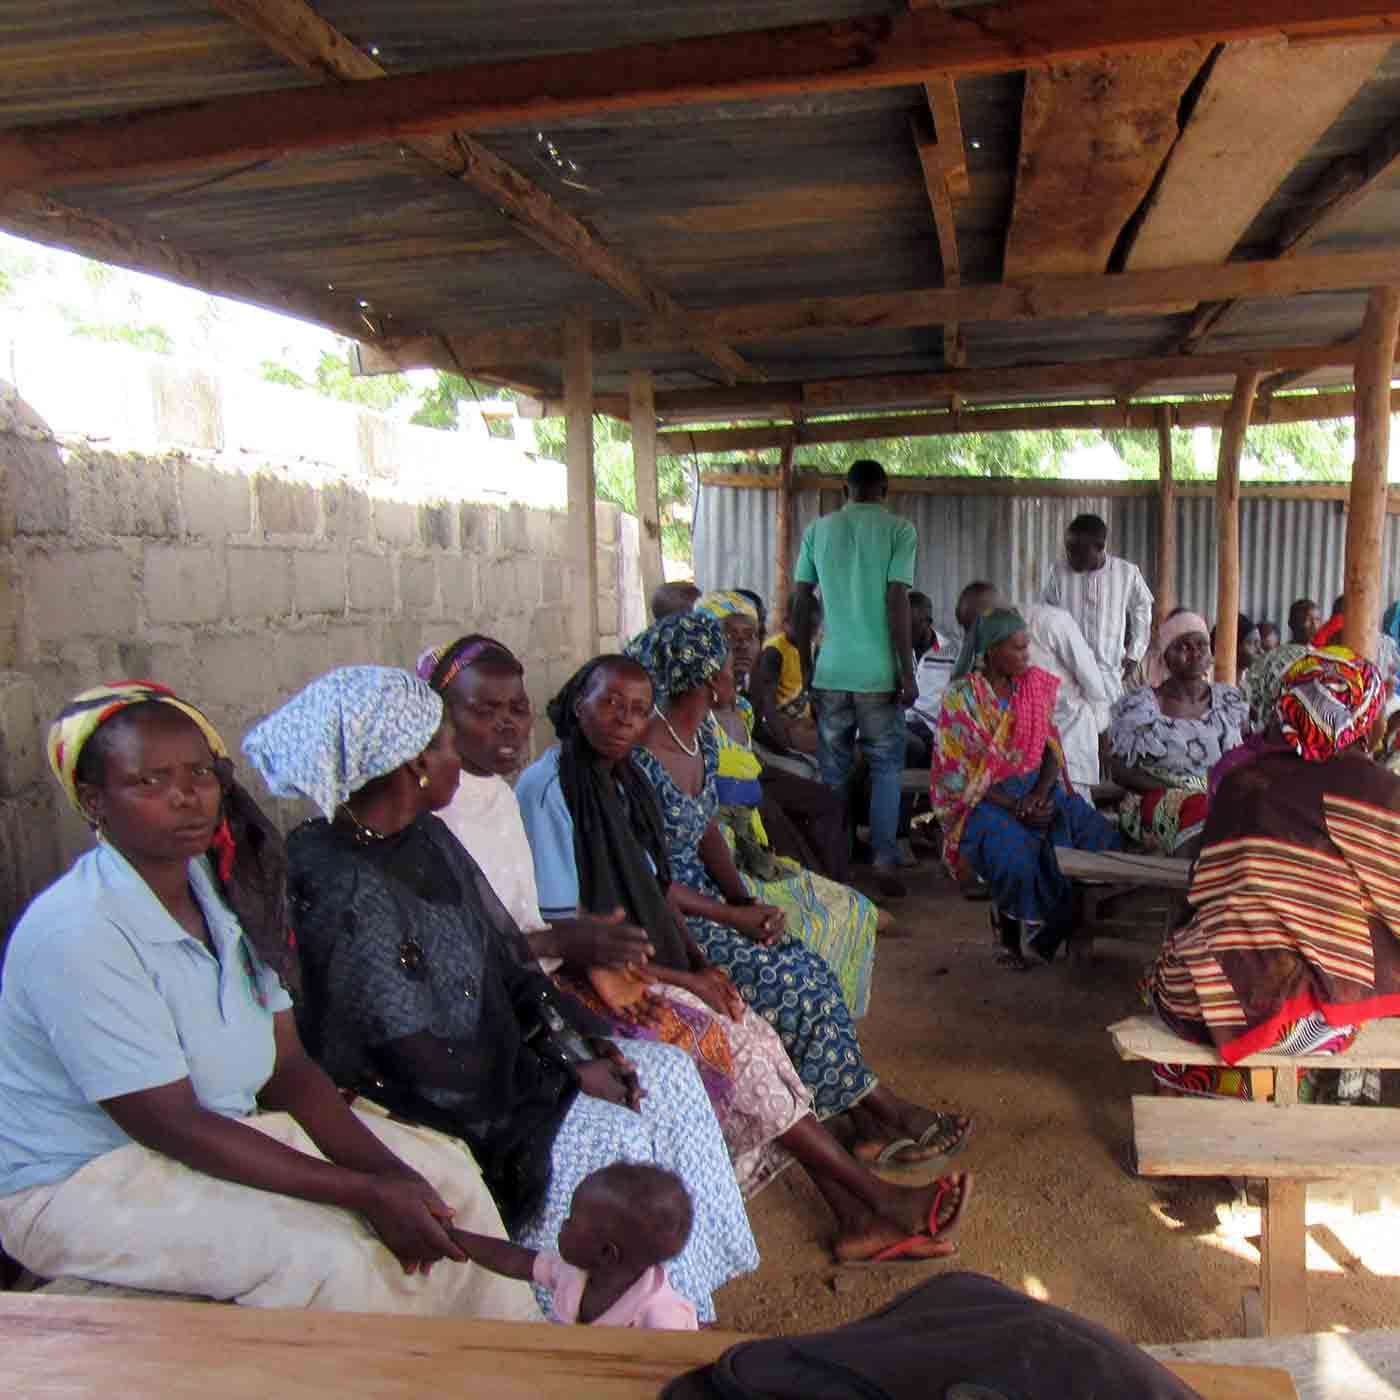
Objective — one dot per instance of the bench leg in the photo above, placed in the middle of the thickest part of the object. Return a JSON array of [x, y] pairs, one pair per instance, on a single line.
[[1283, 1258]]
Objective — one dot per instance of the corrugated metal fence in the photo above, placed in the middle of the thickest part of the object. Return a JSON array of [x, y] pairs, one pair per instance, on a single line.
[[1288, 548]]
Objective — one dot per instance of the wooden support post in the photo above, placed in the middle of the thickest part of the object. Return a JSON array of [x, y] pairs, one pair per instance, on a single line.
[[1166, 517], [782, 541], [1283, 1268], [578, 452], [1227, 525], [1375, 357], [641, 401]]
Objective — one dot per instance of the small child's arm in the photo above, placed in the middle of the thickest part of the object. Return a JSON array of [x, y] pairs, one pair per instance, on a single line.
[[500, 1256]]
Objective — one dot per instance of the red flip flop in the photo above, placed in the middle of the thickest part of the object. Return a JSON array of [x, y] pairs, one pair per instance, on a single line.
[[901, 1250]]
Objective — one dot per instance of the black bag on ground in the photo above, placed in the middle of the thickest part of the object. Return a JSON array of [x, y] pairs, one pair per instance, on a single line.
[[960, 1336]]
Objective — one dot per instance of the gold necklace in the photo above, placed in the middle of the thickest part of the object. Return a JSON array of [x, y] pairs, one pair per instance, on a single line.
[[364, 835], [692, 749]]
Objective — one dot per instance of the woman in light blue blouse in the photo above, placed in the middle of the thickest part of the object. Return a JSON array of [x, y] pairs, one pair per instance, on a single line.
[[160, 1125]]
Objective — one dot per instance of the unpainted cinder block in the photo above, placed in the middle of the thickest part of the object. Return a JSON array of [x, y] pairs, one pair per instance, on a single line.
[[259, 582], [214, 504], [318, 581], [284, 507], [417, 584], [371, 583], [22, 759], [81, 593], [184, 583]]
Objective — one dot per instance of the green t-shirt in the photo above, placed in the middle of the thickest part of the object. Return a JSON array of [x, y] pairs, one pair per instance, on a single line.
[[852, 557]]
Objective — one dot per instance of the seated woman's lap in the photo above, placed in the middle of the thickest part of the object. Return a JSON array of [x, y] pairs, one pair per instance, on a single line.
[[1018, 863], [676, 1128], [139, 1218], [797, 993]]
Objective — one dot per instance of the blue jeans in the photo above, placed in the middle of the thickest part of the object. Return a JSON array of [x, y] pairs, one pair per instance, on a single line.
[[879, 721]]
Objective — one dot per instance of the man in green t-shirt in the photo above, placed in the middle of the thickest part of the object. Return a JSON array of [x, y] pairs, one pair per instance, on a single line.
[[862, 559]]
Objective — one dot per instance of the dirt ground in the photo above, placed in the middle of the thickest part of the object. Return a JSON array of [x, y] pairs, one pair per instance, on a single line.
[[1056, 1211]]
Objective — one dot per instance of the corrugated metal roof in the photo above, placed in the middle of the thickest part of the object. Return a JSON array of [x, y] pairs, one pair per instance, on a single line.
[[748, 201], [1288, 548]]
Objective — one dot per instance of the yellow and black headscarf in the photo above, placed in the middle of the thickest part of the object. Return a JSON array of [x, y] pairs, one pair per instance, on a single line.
[[85, 714], [247, 854]]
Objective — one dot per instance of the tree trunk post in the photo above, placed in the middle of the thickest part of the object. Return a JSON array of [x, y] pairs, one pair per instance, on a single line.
[[1227, 510], [782, 543], [641, 401], [1166, 517], [582, 494], [1375, 357]]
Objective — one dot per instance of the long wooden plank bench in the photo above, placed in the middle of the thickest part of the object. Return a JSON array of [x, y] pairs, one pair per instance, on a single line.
[[180, 1351], [1273, 1138], [1114, 875]]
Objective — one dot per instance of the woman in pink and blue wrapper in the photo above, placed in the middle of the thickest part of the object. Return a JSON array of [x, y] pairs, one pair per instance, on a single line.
[[999, 792]]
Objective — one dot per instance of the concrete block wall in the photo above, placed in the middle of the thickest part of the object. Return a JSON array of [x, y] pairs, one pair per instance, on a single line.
[[236, 589]]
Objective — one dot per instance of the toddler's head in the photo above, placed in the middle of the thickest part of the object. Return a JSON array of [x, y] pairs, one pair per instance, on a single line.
[[627, 1215]]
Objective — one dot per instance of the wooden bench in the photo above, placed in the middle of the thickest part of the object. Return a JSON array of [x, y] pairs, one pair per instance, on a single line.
[[1116, 874], [1273, 1139], [180, 1351]]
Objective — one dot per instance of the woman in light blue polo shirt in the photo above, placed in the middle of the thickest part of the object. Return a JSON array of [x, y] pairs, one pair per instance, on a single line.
[[160, 1124]]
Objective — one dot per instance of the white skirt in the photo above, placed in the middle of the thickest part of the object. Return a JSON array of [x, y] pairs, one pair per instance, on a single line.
[[140, 1219]]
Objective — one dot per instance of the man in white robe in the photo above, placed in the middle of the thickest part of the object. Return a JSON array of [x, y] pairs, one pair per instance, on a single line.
[[1107, 596], [1083, 703]]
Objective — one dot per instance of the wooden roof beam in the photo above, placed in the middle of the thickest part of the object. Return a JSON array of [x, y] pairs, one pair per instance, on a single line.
[[1198, 413], [1047, 299], [936, 162], [1342, 187], [1263, 106], [294, 30], [1093, 138], [1123, 378], [859, 54]]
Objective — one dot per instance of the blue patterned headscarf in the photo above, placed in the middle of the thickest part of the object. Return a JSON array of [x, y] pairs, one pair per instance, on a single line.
[[681, 652], [349, 727]]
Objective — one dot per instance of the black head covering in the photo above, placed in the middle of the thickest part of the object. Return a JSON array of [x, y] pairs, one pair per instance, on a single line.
[[617, 825]]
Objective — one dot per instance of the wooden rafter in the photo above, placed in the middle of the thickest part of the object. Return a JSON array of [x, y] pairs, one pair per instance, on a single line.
[[294, 30], [1119, 378], [1342, 187], [1196, 413], [852, 55], [934, 161], [57, 225], [1093, 138], [944, 164], [1263, 106], [1049, 298]]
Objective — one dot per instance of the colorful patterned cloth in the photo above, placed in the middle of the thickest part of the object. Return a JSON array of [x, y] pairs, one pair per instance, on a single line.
[[833, 920], [1297, 910], [345, 729], [86, 713], [983, 741], [720, 605], [1178, 753], [1330, 701], [791, 987], [1262, 686], [680, 653]]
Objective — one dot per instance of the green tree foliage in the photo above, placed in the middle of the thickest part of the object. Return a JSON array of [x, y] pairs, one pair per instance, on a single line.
[[155, 339], [612, 468]]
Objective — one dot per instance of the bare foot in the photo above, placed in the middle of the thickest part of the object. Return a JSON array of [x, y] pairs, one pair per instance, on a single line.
[[933, 1209], [922, 1219], [859, 1245]]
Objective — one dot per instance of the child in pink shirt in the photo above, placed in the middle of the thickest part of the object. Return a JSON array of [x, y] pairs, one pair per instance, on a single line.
[[624, 1222]]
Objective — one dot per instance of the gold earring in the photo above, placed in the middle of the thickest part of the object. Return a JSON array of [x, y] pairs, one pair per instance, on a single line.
[[422, 780]]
